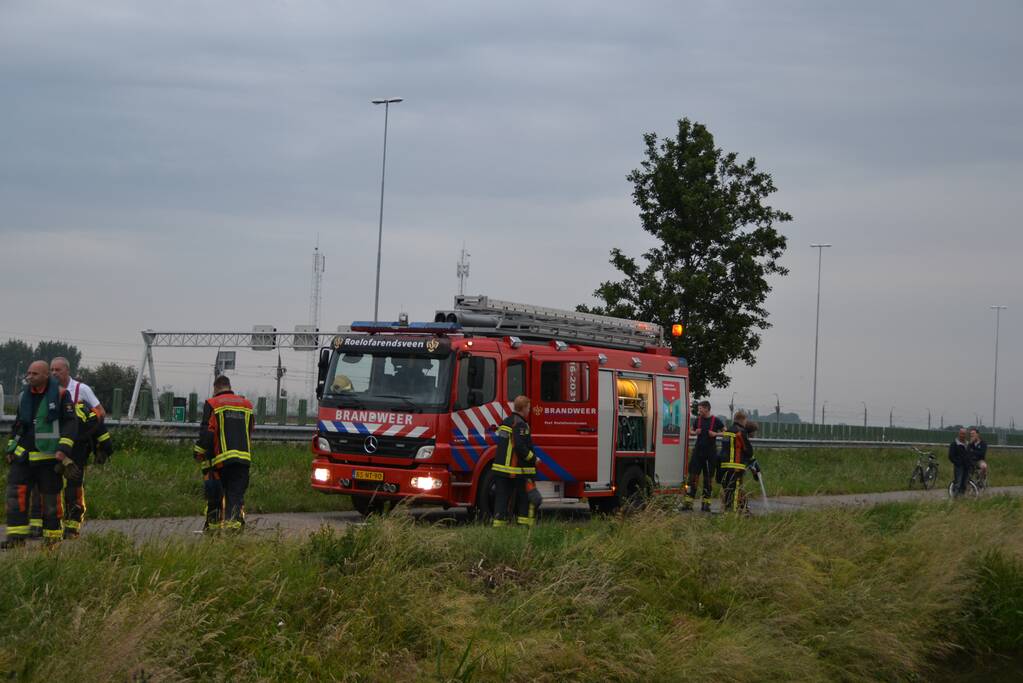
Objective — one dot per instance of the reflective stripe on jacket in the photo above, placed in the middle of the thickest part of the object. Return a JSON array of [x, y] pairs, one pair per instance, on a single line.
[[514, 454], [226, 429]]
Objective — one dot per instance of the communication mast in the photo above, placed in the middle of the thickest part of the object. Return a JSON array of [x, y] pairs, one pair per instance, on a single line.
[[463, 270], [315, 299]]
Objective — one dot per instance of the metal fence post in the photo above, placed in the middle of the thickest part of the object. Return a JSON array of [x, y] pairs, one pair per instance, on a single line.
[[303, 408]]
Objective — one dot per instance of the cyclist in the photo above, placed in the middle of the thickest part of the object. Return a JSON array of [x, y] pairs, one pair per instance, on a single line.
[[977, 449], [961, 462]]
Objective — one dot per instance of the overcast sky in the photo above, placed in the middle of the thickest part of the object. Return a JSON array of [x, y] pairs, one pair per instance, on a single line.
[[149, 151]]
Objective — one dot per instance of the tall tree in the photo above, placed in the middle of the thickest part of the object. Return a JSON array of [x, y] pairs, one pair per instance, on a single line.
[[48, 350], [717, 246], [15, 355], [109, 376]]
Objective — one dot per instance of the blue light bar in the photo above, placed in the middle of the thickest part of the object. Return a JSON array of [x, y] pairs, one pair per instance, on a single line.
[[418, 328]]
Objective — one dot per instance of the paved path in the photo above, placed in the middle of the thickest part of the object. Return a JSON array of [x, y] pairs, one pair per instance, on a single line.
[[302, 523]]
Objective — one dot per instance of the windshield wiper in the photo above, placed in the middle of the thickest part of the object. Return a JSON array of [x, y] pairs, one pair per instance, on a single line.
[[412, 407]]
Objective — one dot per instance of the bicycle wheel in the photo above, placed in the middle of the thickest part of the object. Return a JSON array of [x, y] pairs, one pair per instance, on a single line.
[[930, 476], [917, 475], [952, 489], [972, 490]]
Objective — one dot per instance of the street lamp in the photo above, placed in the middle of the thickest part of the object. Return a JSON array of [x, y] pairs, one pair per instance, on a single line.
[[994, 404], [387, 102], [816, 339]]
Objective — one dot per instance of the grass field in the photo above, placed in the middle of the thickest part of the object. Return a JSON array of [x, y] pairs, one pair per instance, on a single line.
[[149, 478], [889, 593]]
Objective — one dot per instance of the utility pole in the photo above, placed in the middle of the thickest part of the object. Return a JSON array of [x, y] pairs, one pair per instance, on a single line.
[[387, 102], [942, 420], [994, 403], [817, 334], [281, 371], [928, 419], [824, 408], [864, 414], [891, 417]]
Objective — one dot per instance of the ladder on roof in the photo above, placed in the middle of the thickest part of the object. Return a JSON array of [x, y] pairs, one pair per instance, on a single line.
[[541, 322]]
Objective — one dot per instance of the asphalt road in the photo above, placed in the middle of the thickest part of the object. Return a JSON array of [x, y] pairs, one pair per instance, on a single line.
[[302, 523]]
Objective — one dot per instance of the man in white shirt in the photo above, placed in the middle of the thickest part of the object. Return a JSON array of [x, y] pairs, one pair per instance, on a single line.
[[80, 392]]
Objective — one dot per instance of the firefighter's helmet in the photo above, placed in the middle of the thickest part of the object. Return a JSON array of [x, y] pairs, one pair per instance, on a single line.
[[341, 383]]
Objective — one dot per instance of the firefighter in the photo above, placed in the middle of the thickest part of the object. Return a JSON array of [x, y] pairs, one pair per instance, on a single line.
[[39, 452], [736, 455], [514, 464], [224, 451], [703, 462], [92, 437], [80, 393]]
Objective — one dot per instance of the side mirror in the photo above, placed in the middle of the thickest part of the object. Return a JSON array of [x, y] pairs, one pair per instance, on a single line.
[[321, 374]]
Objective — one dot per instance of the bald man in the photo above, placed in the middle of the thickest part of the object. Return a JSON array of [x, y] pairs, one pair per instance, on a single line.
[[80, 392], [40, 448]]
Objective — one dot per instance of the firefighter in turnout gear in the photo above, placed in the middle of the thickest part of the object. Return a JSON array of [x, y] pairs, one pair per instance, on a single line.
[[224, 451], [45, 430], [92, 437], [703, 462], [514, 464], [736, 456]]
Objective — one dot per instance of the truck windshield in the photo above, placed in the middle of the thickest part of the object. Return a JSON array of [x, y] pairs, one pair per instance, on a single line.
[[389, 380]]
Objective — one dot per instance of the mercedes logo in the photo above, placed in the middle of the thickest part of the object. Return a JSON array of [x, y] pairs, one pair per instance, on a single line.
[[370, 445]]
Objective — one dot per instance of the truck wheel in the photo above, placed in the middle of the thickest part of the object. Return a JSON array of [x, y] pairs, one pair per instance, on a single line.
[[483, 511], [367, 506], [633, 489]]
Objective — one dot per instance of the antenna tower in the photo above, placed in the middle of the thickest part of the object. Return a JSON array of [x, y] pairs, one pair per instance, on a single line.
[[463, 270], [315, 299]]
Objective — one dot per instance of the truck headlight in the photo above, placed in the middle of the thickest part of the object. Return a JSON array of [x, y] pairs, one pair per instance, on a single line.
[[321, 474], [424, 453], [425, 483], [323, 445]]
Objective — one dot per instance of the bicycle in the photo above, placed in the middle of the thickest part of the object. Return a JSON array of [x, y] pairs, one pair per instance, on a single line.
[[926, 470], [975, 484]]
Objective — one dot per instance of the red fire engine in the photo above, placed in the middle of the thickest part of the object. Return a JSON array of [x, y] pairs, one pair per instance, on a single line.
[[411, 409]]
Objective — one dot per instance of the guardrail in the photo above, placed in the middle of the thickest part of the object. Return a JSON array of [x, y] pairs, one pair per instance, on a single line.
[[180, 431]]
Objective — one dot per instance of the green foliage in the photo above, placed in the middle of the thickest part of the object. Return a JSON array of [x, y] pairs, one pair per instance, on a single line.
[[15, 355], [48, 350], [717, 246], [815, 596], [109, 376]]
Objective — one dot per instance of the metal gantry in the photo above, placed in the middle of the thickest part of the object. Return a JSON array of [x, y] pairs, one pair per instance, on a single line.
[[262, 338]]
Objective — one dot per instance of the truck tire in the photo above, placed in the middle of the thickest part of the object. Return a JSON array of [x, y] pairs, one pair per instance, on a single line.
[[604, 505], [483, 511], [366, 506], [633, 489]]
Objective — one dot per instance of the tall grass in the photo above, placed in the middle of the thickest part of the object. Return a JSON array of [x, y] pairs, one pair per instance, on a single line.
[[151, 478], [836, 595]]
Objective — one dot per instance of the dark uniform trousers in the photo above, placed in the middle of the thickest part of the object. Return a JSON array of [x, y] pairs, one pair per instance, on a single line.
[[24, 477]]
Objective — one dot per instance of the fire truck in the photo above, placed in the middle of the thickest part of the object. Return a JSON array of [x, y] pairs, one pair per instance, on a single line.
[[411, 410]]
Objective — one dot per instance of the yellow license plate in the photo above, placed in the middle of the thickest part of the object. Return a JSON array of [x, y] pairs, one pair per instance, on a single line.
[[368, 476]]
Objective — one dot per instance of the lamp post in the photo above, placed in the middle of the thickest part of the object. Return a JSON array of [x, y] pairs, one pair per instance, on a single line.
[[387, 102], [994, 403], [816, 338]]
